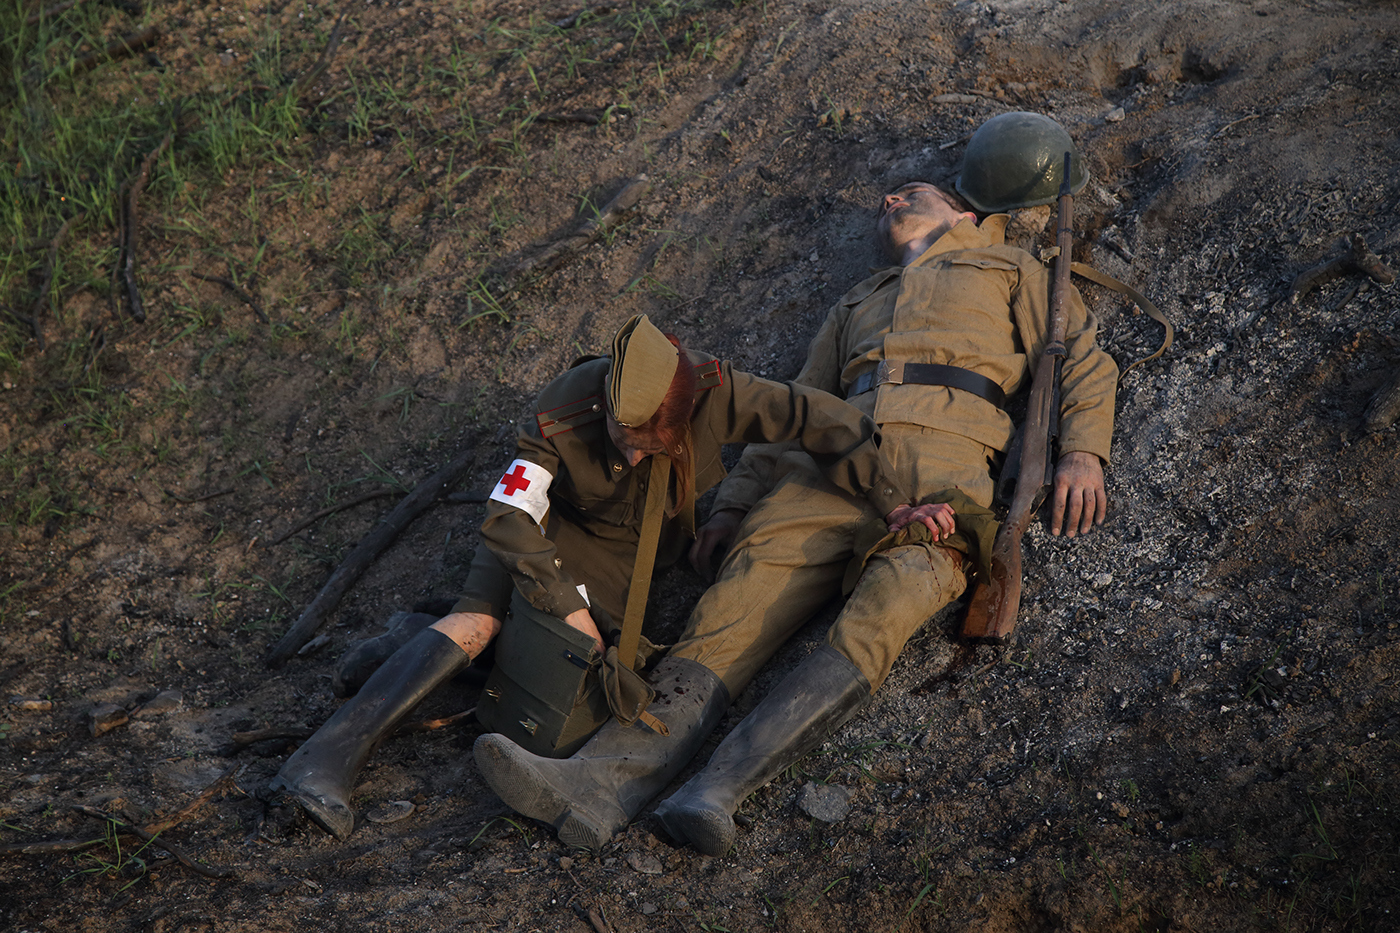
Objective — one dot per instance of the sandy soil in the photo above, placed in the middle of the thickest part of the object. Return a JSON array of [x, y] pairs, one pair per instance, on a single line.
[[1197, 729]]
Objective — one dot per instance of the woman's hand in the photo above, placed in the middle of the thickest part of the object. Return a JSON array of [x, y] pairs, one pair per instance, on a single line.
[[583, 621], [714, 537]]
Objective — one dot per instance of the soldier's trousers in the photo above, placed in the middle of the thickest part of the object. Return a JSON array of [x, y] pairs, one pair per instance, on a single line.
[[792, 551]]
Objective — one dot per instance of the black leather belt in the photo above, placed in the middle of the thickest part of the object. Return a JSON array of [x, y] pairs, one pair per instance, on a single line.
[[928, 374]]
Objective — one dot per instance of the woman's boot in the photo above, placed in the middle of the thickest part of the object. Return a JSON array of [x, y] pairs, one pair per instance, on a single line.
[[321, 774]]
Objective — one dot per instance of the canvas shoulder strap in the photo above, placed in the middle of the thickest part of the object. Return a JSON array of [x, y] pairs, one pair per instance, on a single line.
[[1138, 298], [641, 573]]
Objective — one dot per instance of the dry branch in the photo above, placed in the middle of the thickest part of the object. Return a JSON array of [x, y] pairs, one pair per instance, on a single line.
[[222, 783], [364, 554], [367, 497], [304, 83], [119, 48], [586, 232], [238, 292], [1359, 259], [127, 261], [180, 854], [52, 847], [36, 18]]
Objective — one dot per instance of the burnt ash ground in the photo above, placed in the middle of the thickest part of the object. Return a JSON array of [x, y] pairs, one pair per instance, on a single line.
[[1197, 726]]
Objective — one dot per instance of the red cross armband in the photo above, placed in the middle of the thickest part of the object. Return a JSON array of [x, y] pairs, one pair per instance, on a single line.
[[525, 485]]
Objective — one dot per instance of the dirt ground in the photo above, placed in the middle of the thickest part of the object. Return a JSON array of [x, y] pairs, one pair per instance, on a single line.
[[1198, 726]]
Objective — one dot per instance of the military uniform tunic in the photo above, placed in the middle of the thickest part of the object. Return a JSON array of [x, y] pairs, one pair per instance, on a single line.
[[969, 301], [596, 499]]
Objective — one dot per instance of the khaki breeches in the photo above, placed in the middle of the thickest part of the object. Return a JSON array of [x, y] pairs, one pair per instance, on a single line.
[[792, 551]]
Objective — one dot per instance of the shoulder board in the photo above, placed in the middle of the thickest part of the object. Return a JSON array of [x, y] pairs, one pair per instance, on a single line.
[[570, 416], [708, 376]]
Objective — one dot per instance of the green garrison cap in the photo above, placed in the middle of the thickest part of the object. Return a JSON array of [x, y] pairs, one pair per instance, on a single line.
[[643, 364], [1015, 160]]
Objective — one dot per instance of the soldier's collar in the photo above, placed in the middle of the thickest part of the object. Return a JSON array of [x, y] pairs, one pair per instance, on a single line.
[[968, 235]]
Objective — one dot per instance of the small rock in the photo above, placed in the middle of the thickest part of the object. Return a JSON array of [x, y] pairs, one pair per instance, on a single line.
[[32, 704], [565, 862], [1115, 115], [391, 812], [1102, 580], [648, 908], [645, 863], [826, 802], [106, 717], [1121, 809], [165, 702]]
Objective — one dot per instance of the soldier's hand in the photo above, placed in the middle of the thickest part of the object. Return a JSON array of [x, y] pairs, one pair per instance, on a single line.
[[938, 518], [1080, 498], [712, 542]]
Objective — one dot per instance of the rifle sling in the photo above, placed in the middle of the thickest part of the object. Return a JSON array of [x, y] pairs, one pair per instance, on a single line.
[[1138, 298], [891, 372]]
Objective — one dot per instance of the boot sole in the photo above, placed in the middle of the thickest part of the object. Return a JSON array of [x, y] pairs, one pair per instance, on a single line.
[[508, 770], [709, 832], [336, 819]]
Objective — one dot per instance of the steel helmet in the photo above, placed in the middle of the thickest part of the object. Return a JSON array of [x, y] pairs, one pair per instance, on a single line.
[[1015, 160]]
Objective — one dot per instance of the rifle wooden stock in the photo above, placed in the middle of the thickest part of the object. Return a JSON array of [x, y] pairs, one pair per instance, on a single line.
[[991, 615]]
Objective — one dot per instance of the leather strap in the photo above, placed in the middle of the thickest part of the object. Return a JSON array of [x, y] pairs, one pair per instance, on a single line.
[[657, 487], [891, 372], [1135, 296]]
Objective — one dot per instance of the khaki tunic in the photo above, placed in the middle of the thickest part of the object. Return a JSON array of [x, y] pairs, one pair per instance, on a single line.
[[596, 499], [969, 301]]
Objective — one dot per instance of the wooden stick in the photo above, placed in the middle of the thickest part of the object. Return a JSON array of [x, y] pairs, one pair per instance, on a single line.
[[119, 48], [585, 233], [238, 292], [204, 498], [35, 18], [221, 783], [180, 855], [432, 725], [242, 740], [50, 263], [129, 224], [364, 554], [304, 83], [367, 497], [53, 847]]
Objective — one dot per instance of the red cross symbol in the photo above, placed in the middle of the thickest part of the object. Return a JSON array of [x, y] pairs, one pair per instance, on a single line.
[[515, 480]]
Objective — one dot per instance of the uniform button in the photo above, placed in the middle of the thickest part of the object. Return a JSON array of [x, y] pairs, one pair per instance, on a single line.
[[597, 407], [617, 468], [558, 562], [889, 492]]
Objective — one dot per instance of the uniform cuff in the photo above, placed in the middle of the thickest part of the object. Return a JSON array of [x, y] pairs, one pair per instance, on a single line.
[[886, 495]]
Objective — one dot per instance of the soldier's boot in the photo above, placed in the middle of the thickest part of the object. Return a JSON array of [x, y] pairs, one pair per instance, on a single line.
[[811, 703], [320, 775], [364, 657], [593, 795]]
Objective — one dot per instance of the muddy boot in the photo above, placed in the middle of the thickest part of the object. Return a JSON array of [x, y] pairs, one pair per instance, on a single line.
[[364, 657], [811, 703], [321, 774], [590, 797]]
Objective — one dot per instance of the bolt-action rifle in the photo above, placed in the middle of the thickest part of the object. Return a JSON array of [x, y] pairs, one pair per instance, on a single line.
[[991, 615]]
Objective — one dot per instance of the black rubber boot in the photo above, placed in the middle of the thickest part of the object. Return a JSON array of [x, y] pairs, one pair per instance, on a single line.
[[590, 797], [364, 657], [811, 703], [321, 774]]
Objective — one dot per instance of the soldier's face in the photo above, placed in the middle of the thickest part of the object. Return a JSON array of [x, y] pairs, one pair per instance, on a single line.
[[634, 445], [912, 212]]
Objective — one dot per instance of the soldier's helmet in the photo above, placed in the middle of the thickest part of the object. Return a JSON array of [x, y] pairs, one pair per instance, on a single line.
[[1015, 160]]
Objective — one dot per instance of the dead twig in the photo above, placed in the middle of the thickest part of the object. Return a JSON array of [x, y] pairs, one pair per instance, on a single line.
[[432, 725], [1359, 259], [238, 292], [35, 18], [222, 783], [242, 740], [1244, 119], [305, 82], [367, 497], [119, 48], [180, 855], [49, 265], [607, 218], [53, 847], [364, 554], [127, 260], [204, 498]]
